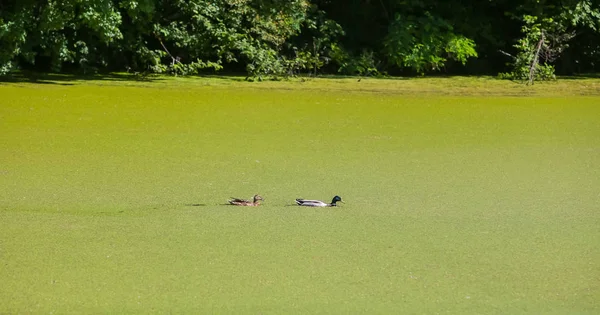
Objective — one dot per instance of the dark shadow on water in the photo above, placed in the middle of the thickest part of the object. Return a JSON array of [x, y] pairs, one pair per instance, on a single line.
[[12, 79], [233, 77], [580, 76], [70, 79]]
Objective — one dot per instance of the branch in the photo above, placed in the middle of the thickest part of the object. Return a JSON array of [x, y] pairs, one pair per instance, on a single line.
[[557, 44], [173, 59], [387, 16], [536, 58], [506, 54]]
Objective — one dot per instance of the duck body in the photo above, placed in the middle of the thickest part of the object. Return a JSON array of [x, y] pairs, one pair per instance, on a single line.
[[318, 203], [243, 202]]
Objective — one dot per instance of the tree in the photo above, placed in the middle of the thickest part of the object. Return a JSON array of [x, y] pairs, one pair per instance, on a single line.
[[545, 39], [57, 32], [273, 38], [426, 43]]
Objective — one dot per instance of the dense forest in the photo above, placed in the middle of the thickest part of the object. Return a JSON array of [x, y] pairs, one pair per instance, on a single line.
[[269, 38]]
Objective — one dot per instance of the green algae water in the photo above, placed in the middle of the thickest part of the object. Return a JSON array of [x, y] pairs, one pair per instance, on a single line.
[[112, 201]]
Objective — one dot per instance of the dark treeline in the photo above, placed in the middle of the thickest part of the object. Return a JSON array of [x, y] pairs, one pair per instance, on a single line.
[[518, 39]]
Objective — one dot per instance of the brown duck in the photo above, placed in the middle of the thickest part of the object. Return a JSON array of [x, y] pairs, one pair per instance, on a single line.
[[243, 202]]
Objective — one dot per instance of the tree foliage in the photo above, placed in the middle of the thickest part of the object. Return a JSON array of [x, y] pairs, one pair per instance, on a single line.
[[278, 38], [426, 43], [546, 36]]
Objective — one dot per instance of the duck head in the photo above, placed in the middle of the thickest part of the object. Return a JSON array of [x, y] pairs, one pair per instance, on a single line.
[[336, 199], [257, 198]]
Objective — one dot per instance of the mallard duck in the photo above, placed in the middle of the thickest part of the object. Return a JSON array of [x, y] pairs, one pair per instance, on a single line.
[[318, 203], [243, 202]]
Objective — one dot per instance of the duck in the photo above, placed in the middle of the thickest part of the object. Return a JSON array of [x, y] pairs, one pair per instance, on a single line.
[[318, 203], [243, 202]]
